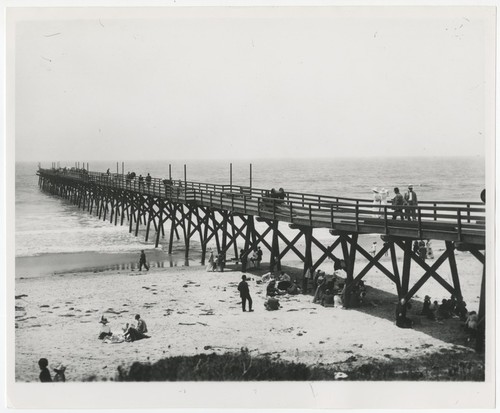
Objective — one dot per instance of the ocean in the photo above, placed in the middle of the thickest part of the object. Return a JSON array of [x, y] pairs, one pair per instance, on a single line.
[[46, 224]]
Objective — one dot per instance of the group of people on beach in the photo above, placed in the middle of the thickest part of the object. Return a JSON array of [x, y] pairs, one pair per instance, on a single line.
[[45, 376], [129, 333], [218, 262]]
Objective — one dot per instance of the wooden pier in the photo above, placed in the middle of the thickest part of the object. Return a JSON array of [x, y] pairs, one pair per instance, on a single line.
[[226, 214]]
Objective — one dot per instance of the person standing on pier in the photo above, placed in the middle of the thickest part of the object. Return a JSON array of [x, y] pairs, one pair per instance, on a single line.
[[397, 202], [245, 294], [411, 200], [148, 180], [142, 261]]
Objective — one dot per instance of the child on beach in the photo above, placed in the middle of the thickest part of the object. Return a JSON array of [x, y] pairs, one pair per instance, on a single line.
[[60, 376], [44, 373]]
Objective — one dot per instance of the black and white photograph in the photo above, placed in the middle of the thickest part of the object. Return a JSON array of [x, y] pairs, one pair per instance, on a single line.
[[259, 197]]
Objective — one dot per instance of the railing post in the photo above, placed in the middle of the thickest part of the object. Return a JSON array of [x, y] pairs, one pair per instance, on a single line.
[[357, 216], [310, 215], [386, 228], [435, 212], [459, 222], [258, 205], [468, 213], [331, 215], [419, 211]]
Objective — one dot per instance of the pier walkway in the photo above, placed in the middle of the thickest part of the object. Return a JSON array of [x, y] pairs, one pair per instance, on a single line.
[[227, 213]]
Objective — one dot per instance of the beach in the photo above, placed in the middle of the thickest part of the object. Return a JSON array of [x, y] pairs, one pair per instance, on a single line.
[[191, 311]]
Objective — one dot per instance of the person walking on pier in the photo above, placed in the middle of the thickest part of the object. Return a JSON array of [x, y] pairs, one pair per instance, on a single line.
[[142, 261], [245, 294], [397, 203], [148, 180], [411, 200]]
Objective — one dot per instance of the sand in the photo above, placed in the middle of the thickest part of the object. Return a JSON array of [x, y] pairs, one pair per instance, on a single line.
[[190, 311]]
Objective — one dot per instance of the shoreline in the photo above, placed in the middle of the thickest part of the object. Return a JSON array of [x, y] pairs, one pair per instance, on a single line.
[[190, 311]]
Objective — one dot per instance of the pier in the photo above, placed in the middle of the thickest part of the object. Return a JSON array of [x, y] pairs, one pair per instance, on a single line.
[[226, 215]]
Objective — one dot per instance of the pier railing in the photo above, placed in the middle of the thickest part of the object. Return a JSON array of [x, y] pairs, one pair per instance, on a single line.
[[452, 220]]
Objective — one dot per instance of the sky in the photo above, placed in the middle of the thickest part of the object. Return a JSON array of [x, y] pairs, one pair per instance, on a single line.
[[250, 83]]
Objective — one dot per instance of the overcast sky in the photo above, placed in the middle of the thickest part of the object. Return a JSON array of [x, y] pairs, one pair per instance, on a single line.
[[109, 84]]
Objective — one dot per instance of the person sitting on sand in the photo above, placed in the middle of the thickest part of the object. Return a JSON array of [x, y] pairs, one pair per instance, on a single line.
[[328, 299], [461, 310], [271, 289], [337, 301], [138, 333], [401, 320], [272, 304], [443, 311], [105, 329], [293, 289], [426, 308], [60, 376], [284, 276], [44, 373], [284, 285], [320, 282], [268, 276]]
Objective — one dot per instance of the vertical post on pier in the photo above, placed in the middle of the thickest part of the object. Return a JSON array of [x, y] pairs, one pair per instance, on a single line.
[[117, 168], [481, 313], [185, 177], [250, 176], [350, 269], [123, 168], [231, 176], [405, 275], [170, 171], [307, 231], [275, 249]]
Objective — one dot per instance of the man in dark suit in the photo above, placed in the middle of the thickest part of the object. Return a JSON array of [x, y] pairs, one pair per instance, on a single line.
[[411, 200]]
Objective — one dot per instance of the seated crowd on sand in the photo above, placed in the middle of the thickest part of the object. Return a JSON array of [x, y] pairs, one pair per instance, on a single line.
[[129, 332]]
